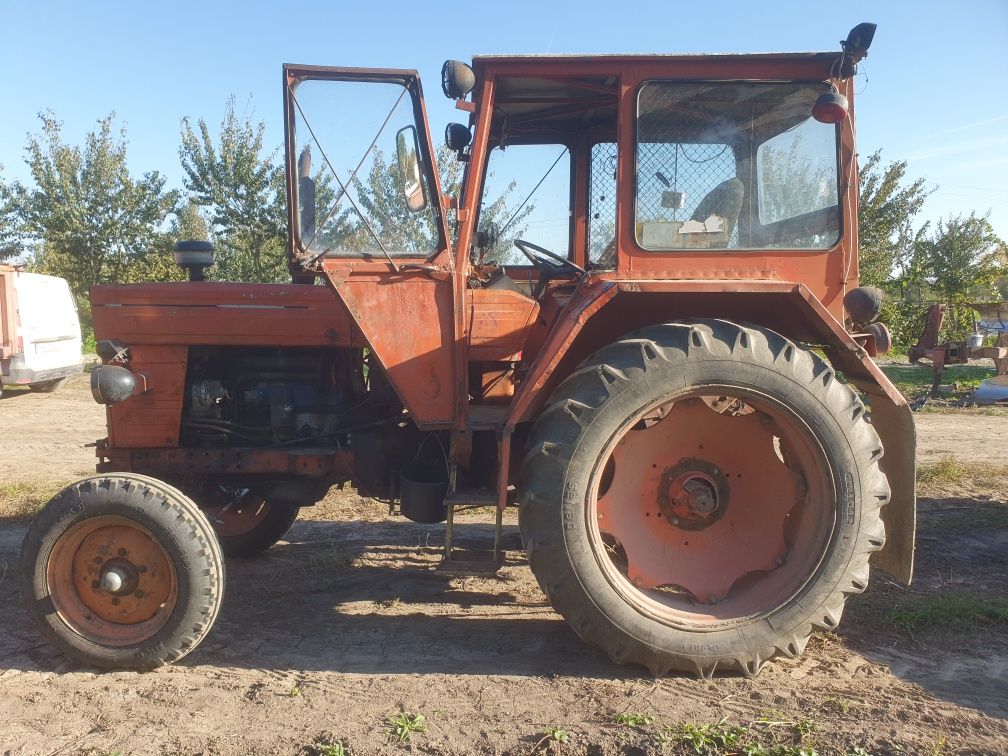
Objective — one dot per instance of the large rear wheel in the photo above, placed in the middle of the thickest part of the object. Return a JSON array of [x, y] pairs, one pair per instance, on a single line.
[[122, 571], [701, 496]]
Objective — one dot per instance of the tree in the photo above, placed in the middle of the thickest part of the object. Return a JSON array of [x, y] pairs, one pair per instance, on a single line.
[[243, 191], [885, 214], [10, 225], [962, 260], [379, 195], [87, 218]]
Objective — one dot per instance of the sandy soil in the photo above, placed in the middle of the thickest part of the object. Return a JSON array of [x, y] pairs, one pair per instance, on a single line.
[[347, 624]]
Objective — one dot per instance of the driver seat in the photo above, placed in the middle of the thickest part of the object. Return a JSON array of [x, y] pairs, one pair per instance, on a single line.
[[724, 201]]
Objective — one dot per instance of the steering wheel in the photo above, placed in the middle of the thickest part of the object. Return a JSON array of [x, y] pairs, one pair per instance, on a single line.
[[545, 260]]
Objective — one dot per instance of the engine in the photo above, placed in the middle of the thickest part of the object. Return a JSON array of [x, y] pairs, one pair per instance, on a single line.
[[265, 396]]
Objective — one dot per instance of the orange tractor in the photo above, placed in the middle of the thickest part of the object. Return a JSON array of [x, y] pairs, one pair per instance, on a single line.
[[635, 313]]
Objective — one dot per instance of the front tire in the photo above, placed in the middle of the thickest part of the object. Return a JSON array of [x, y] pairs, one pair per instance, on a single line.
[[122, 571], [701, 496]]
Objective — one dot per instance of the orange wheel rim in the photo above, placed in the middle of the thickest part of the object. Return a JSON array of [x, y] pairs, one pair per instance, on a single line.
[[239, 518], [111, 581], [712, 508]]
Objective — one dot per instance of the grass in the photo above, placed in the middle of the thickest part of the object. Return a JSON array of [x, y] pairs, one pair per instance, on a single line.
[[21, 499], [950, 470], [915, 380], [948, 610], [935, 478]]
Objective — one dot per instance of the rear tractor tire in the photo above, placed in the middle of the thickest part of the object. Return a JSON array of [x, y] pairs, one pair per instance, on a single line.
[[122, 572], [701, 496]]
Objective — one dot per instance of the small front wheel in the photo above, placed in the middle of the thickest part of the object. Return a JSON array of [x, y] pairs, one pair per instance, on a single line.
[[122, 571]]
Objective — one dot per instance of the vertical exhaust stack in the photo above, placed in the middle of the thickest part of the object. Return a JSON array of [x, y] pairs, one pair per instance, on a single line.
[[194, 257]]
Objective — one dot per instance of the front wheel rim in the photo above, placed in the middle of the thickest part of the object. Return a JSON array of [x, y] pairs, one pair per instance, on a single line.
[[711, 508], [111, 581]]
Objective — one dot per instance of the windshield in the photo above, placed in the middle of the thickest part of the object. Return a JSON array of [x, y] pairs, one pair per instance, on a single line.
[[361, 186], [734, 165]]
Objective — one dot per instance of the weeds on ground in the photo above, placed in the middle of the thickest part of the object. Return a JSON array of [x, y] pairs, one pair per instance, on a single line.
[[332, 560], [333, 748], [711, 738], [628, 719], [22, 499], [554, 737], [403, 726], [950, 470], [948, 610]]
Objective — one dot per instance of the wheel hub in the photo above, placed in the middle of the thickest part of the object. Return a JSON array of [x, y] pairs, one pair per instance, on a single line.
[[119, 577], [693, 494], [685, 527]]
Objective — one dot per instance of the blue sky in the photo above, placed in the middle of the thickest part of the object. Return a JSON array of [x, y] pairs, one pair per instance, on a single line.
[[931, 91]]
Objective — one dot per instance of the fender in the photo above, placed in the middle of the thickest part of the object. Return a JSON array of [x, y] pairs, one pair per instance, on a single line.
[[602, 310]]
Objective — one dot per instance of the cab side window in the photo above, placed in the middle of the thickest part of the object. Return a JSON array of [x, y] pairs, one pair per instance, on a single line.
[[527, 195]]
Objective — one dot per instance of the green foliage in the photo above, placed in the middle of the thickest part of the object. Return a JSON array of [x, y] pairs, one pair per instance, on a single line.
[[11, 244], [629, 719], [87, 218], [404, 726], [331, 749], [886, 211], [242, 190], [711, 737]]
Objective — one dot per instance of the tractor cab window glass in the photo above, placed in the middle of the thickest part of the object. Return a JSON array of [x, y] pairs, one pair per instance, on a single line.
[[796, 174], [734, 165], [362, 180], [526, 195]]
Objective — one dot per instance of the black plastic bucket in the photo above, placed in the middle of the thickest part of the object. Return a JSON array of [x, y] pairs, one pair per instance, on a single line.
[[422, 491]]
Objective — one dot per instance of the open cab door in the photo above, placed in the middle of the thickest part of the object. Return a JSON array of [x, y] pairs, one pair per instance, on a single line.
[[366, 210]]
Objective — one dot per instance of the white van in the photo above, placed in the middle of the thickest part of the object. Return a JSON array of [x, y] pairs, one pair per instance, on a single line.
[[40, 335]]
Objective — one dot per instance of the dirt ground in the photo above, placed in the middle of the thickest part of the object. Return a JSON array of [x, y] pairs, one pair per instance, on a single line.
[[347, 624]]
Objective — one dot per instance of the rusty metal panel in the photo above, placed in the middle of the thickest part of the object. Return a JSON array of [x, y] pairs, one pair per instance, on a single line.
[[222, 313], [408, 320], [151, 418], [499, 322]]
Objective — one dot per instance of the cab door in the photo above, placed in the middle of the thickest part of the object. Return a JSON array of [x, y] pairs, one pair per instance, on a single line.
[[366, 210]]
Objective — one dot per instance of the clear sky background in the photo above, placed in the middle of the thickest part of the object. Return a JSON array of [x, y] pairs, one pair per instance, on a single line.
[[932, 91]]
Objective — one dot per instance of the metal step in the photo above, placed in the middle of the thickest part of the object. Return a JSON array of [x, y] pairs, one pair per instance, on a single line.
[[479, 497]]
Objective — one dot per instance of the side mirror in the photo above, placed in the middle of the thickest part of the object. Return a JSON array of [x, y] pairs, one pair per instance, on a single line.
[[306, 195], [457, 79], [457, 138], [408, 154]]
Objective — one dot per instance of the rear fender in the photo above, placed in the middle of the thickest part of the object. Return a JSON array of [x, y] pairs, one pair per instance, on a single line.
[[605, 310]]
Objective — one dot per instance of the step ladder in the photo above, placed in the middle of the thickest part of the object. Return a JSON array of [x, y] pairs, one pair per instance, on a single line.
[[456, 561]]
